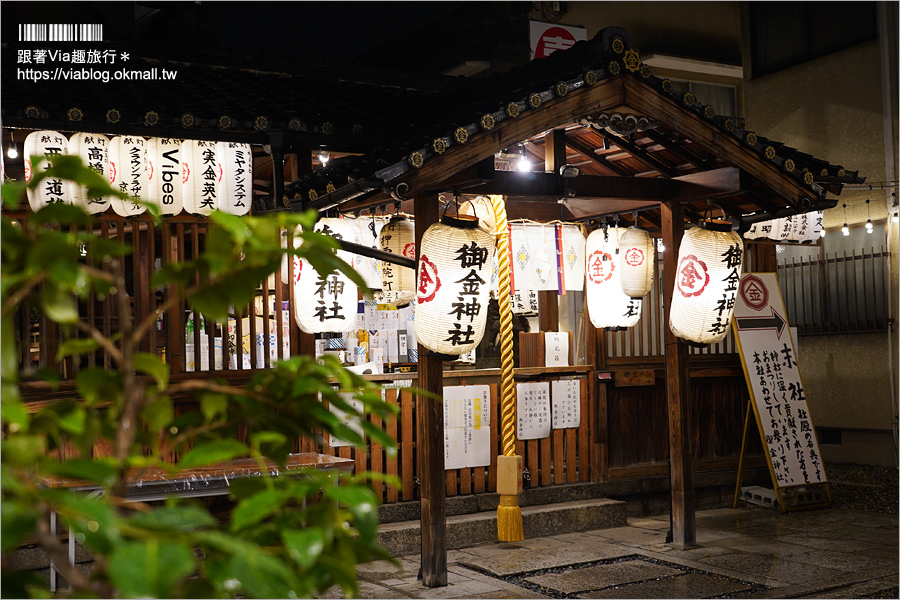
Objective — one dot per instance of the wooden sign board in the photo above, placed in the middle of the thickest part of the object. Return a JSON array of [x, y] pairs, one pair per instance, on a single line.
[[769, 360]]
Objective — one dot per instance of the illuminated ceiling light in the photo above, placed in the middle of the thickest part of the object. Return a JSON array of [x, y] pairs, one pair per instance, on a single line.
[[524, 164], [822, 233], [845, 230], [869, 227], [324, 157], [12, 151]]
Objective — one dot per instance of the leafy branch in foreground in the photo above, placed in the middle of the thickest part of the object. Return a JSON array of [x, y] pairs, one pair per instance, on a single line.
[[288, 536]]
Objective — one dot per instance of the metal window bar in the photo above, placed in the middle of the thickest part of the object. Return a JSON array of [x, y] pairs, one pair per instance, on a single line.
[[836, 292]]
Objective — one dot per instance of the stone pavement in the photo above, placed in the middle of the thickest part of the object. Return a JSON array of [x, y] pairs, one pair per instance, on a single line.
[[749, 552]]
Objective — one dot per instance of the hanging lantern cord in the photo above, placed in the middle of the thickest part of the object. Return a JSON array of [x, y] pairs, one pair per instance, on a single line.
[[509, 515]]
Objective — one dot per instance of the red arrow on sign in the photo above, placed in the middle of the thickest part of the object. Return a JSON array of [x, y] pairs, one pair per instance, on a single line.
[[773, 321]]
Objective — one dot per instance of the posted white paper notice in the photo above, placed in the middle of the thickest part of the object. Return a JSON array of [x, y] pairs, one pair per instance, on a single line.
[[566, 403], [467, 426], [533, 410]]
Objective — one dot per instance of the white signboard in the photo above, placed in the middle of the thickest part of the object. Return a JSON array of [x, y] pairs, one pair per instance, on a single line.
[[533, 410], [566, 399], [547, 38], [467, 426], [770, 366], [556, 349]]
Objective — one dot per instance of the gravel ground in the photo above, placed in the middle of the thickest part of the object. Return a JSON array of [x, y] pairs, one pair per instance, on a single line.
[[862, 487]]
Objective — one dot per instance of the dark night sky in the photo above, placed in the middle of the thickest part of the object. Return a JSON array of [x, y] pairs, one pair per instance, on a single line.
[[334, 32]]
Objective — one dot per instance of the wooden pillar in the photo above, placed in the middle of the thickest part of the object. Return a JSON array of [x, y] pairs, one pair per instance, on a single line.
[[430, 436], [678, 391]]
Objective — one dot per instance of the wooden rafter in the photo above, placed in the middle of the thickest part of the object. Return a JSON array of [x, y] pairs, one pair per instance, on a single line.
[[680, 150], [591, 154], [644, 99], [641, 154]]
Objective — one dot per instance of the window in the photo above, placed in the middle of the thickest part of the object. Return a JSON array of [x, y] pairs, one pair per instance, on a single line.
[[785, 34]]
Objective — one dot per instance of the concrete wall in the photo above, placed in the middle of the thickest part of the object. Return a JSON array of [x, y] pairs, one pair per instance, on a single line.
[[705, 30], [832, 108]]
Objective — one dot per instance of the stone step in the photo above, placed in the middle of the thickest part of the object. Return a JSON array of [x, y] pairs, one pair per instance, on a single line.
[[403, 538]]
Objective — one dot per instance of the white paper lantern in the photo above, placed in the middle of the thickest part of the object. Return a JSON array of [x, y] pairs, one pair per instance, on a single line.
[[290, 265], [637, 255], [128, 172], [452, 285], [236, 185], [814, 232], [398, 283], [754, 232], [481, 207], [327, 302], [201, 175], [608, 305], [50, 191], [166, 175], [368, 231], [93, 150], [706, 280]]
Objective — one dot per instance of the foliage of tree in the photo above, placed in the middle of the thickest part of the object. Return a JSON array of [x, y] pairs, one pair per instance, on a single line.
[[287, 536]]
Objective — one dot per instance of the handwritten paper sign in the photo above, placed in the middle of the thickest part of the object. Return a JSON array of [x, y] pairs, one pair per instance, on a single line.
[[467, 426], [770, 366], [556, 349], [565, 397], [533, 410], [346, 419]]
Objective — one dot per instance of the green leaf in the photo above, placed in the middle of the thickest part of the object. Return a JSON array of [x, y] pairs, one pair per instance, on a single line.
[[13, 193], [76, 347], [94, 517], [173, 518], [150, 569], [22, 450], [264, 576], [97, 384], [361, 502], [99, 470], [212, 405], [208, 453], [59, 306], [235, 226], [257, 507], [72, 418], [159, 413], [154, 366], [17, 520], [304, 545]]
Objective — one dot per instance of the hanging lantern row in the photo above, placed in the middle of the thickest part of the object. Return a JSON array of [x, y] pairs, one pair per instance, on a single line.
[[174, 175], [806, 227], [706, 281], [608, 306]]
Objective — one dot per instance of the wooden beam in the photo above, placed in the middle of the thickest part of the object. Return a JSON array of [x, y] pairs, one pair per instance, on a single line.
[[601, 160], [708, 184], [679, 150], [644, 99], [640, 154], [579, 103], [678, 391], [430, 436]]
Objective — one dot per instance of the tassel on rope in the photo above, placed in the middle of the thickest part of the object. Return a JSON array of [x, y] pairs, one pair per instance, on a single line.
[[509, 466]]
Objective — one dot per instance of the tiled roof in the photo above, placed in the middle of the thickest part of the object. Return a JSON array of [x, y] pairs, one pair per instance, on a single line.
[[482, 104]]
